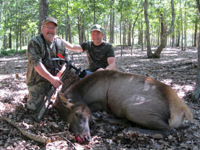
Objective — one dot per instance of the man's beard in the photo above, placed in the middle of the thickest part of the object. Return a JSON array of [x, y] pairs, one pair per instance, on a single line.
[[50, 36]]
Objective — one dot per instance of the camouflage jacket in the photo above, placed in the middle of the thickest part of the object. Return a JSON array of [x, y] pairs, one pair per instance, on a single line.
[[36, 53], [97, 55]]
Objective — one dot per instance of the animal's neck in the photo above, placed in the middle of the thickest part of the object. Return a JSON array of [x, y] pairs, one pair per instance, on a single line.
[[93, 90], [70, 79]]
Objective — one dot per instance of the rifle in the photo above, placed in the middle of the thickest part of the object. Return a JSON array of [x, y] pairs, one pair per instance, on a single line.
[[42, 111]]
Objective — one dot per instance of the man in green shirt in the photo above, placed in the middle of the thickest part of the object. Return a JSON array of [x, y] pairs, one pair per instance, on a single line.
[[100, 54]]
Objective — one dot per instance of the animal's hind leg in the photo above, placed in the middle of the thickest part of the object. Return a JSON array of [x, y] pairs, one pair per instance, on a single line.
[[154, 125]]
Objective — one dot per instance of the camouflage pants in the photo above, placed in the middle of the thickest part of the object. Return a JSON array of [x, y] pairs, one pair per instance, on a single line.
[[36, 95]]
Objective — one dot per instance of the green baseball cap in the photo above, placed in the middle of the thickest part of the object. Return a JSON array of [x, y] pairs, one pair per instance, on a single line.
[[49, 19], [97, 27]]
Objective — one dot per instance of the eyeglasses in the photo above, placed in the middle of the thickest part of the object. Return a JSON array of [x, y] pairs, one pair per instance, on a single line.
[[50, 28]]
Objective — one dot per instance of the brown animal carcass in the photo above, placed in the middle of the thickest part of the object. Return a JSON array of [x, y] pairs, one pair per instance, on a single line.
[[141, 100]]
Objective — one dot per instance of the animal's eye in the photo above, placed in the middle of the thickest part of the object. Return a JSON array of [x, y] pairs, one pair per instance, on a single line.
[[77, 114], [69, 100], [64, 103]]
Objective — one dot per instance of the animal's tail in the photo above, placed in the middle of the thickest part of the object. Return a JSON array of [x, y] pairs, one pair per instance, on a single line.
[[188, 114], [179, 111]]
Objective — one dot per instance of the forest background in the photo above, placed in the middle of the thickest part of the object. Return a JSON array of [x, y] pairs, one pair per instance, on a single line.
[[123, 20], [137, 29]]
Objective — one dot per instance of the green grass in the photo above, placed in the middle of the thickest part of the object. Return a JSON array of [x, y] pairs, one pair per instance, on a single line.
[[11, 52]]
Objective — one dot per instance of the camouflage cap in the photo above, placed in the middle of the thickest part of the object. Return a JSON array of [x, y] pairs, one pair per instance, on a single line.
[[49, 19], [97, 27]]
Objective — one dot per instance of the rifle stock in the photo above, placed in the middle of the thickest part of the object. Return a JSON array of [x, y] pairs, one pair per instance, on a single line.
[[42, 111]]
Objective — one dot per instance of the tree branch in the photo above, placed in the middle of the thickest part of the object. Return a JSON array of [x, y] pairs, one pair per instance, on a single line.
[[173, 19], [32, 136]]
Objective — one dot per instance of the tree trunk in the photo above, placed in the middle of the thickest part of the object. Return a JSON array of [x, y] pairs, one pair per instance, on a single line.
[[124, 35], [111, 31], [105, 26], [129, 34], [178, 38], [139, 36], [195, 33], [67, 23], [112, 22], [196, 93], [181, 13], [132, 45], [70, 35], [133, 28], [44, 11], [20, 38], [198, 6], [10, 39], [149, 52], [5, 41], [142, 34], [185, 29], [121, 32], [81, 28], [1, 3], [159, 35], [94, 12], [172, 40], [17, 40], [164, 36]]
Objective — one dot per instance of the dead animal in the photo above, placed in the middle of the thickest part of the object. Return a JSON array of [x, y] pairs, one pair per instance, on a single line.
[[151, 104]]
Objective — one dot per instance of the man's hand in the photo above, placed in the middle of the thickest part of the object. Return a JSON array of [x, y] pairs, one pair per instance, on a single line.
[[55, 81], [61, 71], [100, 69]]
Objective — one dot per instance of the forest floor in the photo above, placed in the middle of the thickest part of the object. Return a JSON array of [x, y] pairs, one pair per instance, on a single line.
[[175, 68]]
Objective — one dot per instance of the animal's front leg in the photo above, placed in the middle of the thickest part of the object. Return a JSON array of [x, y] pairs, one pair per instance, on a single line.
[[156, 134]]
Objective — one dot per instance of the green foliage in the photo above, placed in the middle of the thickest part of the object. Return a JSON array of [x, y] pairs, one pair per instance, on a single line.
[[7, 52], [11, 52], [22, 16]]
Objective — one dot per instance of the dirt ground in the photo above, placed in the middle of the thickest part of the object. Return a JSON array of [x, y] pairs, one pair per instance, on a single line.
[[175, 68]]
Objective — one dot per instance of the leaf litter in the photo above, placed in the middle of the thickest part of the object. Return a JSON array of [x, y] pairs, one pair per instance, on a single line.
[[175, 68]]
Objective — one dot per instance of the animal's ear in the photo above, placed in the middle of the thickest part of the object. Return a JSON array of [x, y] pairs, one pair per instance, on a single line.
[[65, 101], [61, 95]]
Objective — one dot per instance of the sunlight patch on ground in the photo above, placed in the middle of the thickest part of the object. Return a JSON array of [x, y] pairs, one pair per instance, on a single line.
[[6, 107], [125, 55], [178, 59], [165, 61], [16, 58], [180, 89], [134, 66], [167, 81], [188, 88]]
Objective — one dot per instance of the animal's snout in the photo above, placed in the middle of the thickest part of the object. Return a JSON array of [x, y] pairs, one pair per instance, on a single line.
[[83, 139], [87, 138]]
